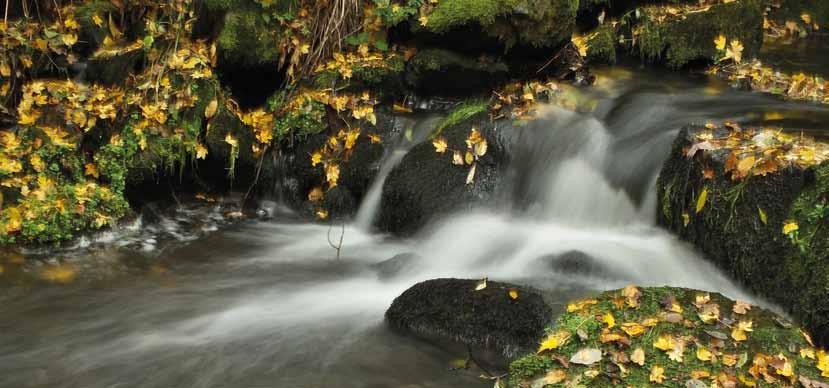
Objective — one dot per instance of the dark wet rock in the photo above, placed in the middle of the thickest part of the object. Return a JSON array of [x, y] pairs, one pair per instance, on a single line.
[[791, 270], [575, 263], [340, 203], [397, 265], [426, 185], [356, 172], [451, 309]]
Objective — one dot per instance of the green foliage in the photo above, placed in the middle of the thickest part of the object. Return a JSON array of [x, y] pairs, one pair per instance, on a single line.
[[247, 38], [460, 114], [601, 47]]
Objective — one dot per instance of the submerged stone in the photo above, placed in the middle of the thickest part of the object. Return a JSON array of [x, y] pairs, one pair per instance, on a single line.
[[487, 319], [755, 203]]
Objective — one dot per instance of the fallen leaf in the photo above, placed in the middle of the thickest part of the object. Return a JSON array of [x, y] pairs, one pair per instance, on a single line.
[[513, 293], [703, 196], [211, 108], [638, 356], [657, 374], [481, 284], [609, 320], [790, 226], [586, 356], [703, 354], [741, 307], [440, 145], [553, 341]]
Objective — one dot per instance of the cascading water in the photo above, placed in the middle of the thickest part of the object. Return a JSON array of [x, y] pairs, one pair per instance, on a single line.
[[266, 303], [410, 135]]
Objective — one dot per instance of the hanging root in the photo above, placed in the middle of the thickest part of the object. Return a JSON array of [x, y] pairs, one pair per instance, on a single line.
[[333, 21]]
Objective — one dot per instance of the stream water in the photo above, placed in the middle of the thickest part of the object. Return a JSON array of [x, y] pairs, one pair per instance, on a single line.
[[265, 304]]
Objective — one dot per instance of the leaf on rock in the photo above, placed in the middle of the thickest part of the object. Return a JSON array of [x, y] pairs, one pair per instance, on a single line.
[[703, 196], [512, 293], [586, 356], [553, 341], [657, 374], [741, 307], [440, 144], [481, 284], [609, 320], [638, 356]]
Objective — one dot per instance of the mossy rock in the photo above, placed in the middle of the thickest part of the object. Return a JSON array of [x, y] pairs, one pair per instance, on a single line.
[[426, 185], [439, 71], [488, 319], [793, 10], [740, 223], [680, 39], [667, 325], [539, 23], [114, 70]]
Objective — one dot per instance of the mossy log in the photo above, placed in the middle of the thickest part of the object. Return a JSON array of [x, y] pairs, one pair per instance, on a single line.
[[749, 226]]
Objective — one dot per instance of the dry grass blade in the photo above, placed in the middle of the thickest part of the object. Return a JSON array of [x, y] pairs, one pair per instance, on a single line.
[[333, 21]]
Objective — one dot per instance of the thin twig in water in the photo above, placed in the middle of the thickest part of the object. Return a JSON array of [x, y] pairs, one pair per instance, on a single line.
[[255, 179], [331, 243]]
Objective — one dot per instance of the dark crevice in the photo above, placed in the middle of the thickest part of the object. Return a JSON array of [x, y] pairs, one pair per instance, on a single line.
[[251, 85]]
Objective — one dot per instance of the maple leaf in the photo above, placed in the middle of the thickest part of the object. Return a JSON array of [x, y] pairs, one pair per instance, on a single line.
[[440, 145], [790, 226], [807, 353], [553, 341], [638, 356], [211, 108], [741, 307], [633, 329], [332, 174], [609, 320], [632, 295], [586, 356], [720, 42], [316, 194], [823, 363], [316, 158], [657, 374], [664, 342], [735, 51]]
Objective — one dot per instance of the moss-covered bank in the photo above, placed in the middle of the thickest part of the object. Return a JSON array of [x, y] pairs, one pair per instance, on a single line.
[[670, 337], [755, 203]]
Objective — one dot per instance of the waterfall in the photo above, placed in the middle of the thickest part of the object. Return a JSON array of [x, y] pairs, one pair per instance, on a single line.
[[410, 133]]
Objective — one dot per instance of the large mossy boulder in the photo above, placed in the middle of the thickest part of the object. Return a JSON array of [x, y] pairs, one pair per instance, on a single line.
[[678, 36], [538, 23], [670, 337], [428, 184], [755, 203], [502, 318]]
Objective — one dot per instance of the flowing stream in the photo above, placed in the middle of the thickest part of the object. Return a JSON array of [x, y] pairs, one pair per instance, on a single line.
[[265, 304]]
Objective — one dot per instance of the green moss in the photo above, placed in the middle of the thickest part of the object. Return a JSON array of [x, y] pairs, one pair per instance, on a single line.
[[247, 38], [526, 22], [791, 10], [678, 41], [769, 338], [601, 47], [462, 113]]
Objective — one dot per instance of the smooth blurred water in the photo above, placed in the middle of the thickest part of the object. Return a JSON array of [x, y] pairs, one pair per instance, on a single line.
[[266, 304]]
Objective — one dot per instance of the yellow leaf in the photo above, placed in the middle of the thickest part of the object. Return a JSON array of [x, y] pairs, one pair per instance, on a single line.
[[468, 157], [470, 177], [790, 226], [633, 329], [703, 196], [351, 138], [735, 51], [763, 218], [13, 223], [823, 363], [807, 353], [609, 320], [638, 356], [720, 42], [332, 174], [553, 341], [555, 376], [580, 305], [581, 44], [709, 313], [686, 219], [745, 165], [664, 342], [481, 284], [316, 158], [703, 354], [5, 69], [322, 214], [632, 295], [97, 20], [229, 139], [210, 111], [657, 374], [91, 170], [201, 151], [316, 194], [741, 307], [513, 293], [63, 273], [457, 158], [375, 138], [69, 39], [440, 145], [729, 359], [424, 20]]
